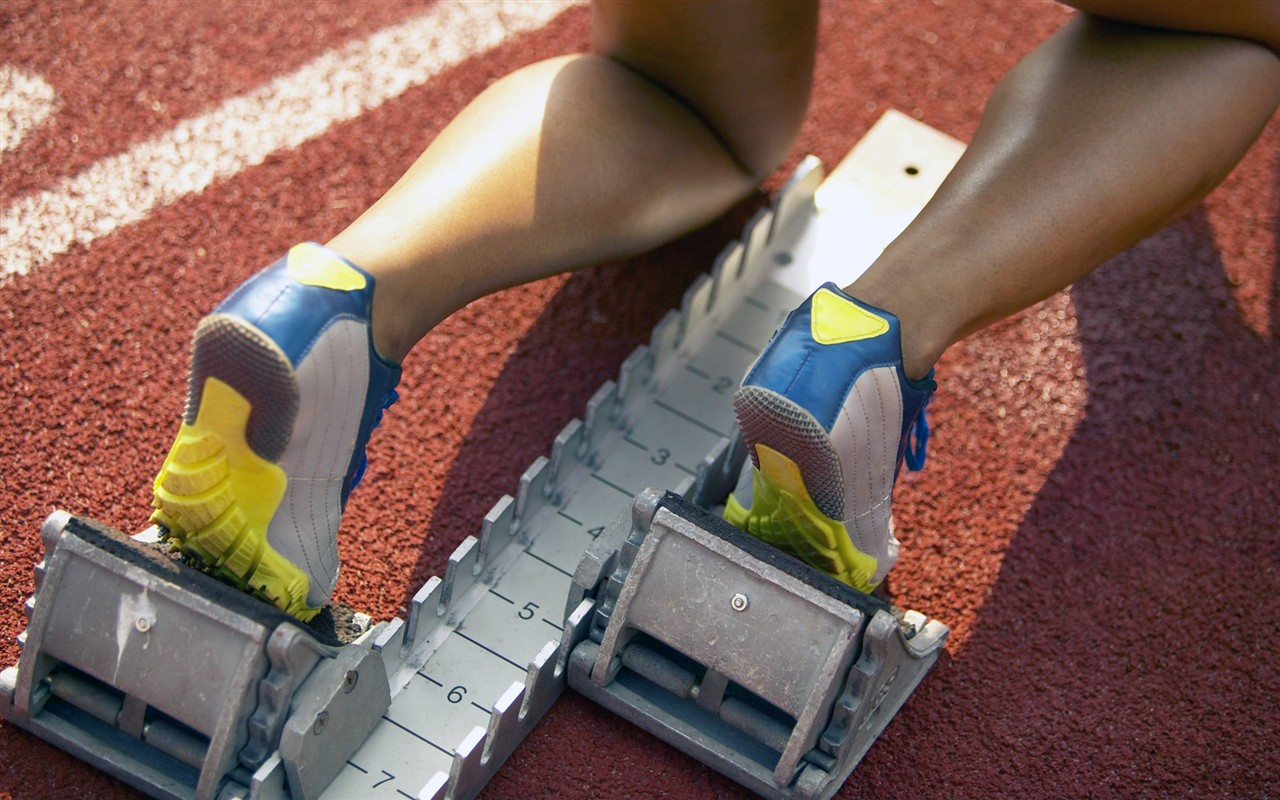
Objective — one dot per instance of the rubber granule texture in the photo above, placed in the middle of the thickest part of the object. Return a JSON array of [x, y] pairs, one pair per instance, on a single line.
[[1097, 522]]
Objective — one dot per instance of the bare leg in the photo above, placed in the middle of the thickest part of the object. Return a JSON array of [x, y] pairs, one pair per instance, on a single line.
[[676, 114], [1101, 136]]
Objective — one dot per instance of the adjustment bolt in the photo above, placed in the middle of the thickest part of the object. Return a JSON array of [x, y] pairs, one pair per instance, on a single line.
[[739, 602], [144, 623]]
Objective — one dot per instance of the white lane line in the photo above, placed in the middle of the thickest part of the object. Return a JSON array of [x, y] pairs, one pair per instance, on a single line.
[[26, 101], [337, 86]]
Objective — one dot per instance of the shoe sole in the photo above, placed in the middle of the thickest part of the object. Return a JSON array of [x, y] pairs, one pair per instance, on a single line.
[[220, 485], [796, 476]]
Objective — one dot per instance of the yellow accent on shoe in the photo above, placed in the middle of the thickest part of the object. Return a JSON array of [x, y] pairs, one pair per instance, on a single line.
[[216, 498], [781, 471], [835, 320], [789, 520], [313, 265]]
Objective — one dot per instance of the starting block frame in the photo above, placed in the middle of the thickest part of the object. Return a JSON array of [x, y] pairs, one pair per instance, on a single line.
[[184, 691], [747, 659]]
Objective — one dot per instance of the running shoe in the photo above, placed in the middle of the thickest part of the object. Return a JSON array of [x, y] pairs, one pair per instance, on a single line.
[[285, 390], [829, 416]]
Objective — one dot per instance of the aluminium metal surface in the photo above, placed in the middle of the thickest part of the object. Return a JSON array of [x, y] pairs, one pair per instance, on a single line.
[[752, 662]]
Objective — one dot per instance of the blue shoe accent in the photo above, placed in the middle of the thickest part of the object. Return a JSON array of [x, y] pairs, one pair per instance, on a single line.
[[818, 377], [917, 441], [295, 315]]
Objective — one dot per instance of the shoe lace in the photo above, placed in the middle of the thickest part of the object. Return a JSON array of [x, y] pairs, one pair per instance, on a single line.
[[388, 400], [917, 442]]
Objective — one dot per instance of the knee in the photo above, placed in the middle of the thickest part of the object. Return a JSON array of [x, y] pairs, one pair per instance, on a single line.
[[745, 70]]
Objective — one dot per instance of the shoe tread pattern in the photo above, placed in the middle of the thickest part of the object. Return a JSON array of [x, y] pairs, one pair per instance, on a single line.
[[219, 487], [232, 350], [808, 527], [769, 417]]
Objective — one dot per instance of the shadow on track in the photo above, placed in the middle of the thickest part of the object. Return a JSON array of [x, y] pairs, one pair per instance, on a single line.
[[1127, 645]]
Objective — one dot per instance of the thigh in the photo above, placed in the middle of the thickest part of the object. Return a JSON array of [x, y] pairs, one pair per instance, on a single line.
[[745, 68]]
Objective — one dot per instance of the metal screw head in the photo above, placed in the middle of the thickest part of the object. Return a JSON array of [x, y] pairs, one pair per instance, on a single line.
[[349, 681], [739, 602], [322, 719], [144, 623]]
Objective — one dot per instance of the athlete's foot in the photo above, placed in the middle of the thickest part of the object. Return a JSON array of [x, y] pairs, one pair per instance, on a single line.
[[285, 389], [828, 416]]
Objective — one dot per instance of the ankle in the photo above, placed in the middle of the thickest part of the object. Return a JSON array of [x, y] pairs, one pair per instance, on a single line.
[[391, 320], [918, 362], [391, 337], [921, 345]]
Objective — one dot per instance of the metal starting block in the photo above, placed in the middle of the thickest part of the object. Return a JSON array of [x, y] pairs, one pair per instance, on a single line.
[[745, 658], [769, 672], [178, 684]]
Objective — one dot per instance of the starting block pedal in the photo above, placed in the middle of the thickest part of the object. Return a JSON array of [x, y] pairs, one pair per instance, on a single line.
[[179, 684], [741, 656], [746, 659]]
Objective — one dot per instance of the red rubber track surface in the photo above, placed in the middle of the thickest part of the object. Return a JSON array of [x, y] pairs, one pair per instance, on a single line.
[[1098, 522]]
